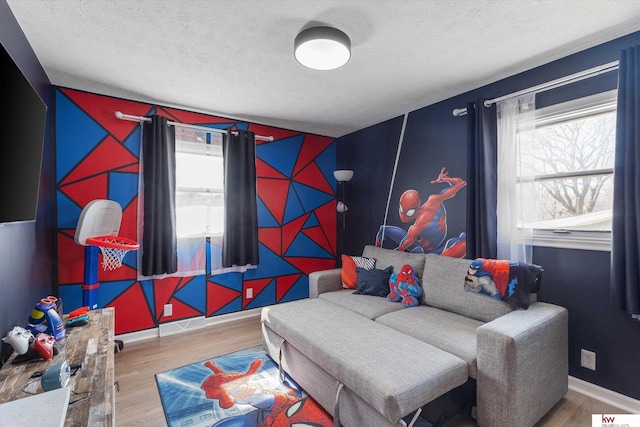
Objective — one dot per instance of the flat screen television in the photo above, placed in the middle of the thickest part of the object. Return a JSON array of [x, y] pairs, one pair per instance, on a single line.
[[22, 124]]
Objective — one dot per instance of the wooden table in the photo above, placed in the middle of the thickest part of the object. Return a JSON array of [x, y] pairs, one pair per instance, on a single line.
[[92, 386]]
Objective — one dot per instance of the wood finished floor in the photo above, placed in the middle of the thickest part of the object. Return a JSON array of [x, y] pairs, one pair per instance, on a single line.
[[138, 401]]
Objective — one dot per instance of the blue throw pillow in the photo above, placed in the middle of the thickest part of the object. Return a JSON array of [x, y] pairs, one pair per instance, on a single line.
[[373, 282]]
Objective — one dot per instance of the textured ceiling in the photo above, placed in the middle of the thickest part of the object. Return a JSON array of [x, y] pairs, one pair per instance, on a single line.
[[235, 58]]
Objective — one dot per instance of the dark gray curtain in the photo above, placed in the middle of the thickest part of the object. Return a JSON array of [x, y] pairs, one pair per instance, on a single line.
[[159, 242], [482, 158], [625, 250], [240, 241]]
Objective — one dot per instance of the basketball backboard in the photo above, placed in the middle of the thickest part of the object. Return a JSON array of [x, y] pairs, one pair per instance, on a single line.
[[98, 218]]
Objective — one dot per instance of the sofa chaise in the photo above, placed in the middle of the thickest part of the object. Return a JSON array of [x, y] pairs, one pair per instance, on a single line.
[[372, 362]]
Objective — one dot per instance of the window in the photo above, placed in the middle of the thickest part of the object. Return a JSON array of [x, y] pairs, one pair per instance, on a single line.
[[567, 169], [199, 183]]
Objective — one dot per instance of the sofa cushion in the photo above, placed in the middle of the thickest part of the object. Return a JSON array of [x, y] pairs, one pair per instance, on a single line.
[[387, 257], [365, 305], [448, 331], [373, 282], [348, 274], [359, 355], [443, 284]]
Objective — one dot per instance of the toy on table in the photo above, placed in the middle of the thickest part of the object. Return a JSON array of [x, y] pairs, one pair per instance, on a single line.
[[43, 345], [19, 339], [45, 318], [78, 317], [56, 376], [79, 312], [46, 325]]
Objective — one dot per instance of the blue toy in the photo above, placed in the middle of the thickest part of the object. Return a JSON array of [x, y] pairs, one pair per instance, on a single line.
[[44, 318]]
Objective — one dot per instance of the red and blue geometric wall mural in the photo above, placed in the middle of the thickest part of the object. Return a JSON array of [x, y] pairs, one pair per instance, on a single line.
[[96, 157]]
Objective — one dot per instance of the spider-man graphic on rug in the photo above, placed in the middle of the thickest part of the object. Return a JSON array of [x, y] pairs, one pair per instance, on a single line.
[[282, 407], [428, 232]]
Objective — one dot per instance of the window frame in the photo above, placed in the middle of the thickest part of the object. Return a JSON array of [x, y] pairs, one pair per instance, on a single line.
[[596, 240]]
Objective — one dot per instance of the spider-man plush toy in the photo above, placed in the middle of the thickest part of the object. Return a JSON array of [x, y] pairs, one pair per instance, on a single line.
[[405, 287]]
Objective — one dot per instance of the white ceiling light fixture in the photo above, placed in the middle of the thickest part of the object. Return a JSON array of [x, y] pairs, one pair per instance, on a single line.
[[322, 48]]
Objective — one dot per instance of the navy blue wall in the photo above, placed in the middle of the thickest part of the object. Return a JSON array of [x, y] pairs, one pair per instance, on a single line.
[[26, 248], [575, 279], [371, 153]]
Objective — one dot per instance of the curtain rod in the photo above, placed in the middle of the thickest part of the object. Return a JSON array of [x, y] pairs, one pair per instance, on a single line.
[[122, 116], [592, 72]]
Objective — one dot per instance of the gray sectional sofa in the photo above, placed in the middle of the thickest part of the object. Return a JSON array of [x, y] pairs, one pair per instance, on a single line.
[[371, 362]]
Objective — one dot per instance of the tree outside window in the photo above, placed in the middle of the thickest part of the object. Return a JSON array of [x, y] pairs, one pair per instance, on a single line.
[[567, 166]]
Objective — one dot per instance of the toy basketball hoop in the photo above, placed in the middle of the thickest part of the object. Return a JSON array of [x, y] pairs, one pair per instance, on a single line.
[[113, 249], [97, 231]]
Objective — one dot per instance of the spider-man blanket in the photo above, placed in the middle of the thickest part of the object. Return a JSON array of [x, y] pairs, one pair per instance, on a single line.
[[509, 281]]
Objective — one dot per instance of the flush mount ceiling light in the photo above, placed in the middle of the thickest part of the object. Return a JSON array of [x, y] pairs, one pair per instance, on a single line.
[[322, 48]]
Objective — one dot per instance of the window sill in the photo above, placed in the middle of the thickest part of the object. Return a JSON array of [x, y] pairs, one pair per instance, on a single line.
[[591, 241]]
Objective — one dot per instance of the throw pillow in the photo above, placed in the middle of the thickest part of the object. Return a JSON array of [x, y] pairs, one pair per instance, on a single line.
[[405, 287], [349, 264], [373, 282]]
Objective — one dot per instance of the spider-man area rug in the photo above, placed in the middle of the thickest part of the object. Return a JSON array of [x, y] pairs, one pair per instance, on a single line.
[[241, 389]]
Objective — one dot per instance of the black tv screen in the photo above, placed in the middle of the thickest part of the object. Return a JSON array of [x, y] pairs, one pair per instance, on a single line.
[[22, 123]]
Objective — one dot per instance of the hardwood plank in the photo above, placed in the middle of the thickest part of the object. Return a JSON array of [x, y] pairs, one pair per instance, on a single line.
[[138, 401], [575, 409]]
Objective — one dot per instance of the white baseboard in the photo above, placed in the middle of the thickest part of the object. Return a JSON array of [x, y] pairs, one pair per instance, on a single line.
[[607, 396], [185, 325], [230, 317], [138, 336], [180, 326]]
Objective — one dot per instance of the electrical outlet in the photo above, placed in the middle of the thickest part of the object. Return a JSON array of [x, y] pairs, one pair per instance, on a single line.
[[168, 310], [249, 293], [588, 359]]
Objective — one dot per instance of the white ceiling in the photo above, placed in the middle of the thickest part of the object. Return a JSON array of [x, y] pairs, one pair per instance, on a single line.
[[234, 58]]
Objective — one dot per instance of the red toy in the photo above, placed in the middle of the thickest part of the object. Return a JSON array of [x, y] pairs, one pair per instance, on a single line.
[[79, 312], [43, 344]]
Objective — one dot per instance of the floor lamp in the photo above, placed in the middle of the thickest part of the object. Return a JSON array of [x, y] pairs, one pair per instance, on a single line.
[[342, 176]]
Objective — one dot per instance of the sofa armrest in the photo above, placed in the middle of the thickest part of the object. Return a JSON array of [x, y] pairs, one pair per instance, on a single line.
[[522, 365], [324, 281]]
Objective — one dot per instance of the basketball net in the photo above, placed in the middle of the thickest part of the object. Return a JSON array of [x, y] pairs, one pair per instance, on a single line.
[[112, 257], [113, 249]]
